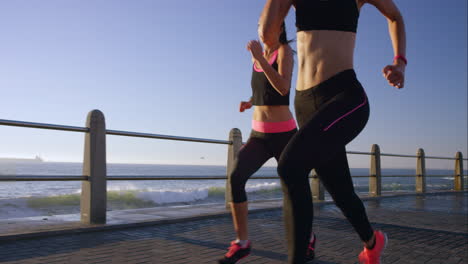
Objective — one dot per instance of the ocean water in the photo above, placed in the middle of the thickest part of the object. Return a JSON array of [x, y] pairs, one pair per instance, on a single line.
[[21, 199]]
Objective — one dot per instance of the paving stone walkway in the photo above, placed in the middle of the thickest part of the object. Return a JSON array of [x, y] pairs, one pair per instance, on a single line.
[[428, 228]]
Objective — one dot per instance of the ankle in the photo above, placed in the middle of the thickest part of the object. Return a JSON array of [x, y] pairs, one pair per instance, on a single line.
[[312, 238], [242, 243], [371, 243]]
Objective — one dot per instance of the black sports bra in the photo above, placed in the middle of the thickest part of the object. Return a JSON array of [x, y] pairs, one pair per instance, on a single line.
[[340, 15], [263, 92]]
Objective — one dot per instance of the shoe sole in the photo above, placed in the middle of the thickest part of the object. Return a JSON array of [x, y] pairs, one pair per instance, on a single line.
[[241, 259]]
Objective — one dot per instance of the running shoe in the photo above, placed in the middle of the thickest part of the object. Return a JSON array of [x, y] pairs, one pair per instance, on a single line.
[[236, 252], [310, 255], [372, 256]]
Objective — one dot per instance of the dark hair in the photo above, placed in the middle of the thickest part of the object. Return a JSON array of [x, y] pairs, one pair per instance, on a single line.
[[283, 38]]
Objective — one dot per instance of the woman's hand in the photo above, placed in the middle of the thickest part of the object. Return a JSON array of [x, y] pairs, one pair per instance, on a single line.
[[395, 75], [255, 49], [244, 105]]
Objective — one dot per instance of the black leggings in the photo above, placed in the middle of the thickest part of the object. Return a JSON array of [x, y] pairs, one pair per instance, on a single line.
[[259, 149], [330, 115]]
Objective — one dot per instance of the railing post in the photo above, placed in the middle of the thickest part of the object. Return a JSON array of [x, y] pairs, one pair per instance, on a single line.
[[317, 189], [458, 184], [375, 177], [421, 172], [235, 136], [94, 191]]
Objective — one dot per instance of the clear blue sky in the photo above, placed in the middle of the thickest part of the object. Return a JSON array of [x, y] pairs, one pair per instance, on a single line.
[[180, 67]]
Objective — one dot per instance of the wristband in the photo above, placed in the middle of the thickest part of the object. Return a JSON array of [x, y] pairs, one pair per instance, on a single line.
[[401, 57]]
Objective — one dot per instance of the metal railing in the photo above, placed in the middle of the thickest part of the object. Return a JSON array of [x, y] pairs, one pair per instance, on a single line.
[[167, 137], [94, 178]]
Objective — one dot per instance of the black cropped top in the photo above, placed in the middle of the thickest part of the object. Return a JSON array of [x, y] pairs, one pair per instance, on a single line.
[[340, 15], [263, 92]]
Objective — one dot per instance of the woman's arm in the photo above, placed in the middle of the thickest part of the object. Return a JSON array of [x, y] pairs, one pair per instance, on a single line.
[[273, 15], [396, 26], [281, 79]]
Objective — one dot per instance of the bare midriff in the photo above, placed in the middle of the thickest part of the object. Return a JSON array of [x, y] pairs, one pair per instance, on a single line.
[[272, 113], [322, 54]]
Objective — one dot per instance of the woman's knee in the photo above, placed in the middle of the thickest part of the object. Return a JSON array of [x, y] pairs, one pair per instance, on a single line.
[[291, 171], [237, 181], [238, 190], [285, 167], [347, 200]]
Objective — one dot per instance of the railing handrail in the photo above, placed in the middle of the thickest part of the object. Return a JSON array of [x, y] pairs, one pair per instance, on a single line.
[[5, 122], [43, 178], [400, 155], [167, 137], [16, 123]]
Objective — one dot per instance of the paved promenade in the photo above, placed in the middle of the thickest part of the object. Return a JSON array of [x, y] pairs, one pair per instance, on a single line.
[[428, 228]]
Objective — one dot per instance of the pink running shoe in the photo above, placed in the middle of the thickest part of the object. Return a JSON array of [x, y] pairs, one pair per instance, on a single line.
[[310, 255], [372, 256], [235, 253]]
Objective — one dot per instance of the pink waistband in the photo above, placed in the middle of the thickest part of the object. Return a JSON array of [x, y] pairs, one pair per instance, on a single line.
[[274, 127]]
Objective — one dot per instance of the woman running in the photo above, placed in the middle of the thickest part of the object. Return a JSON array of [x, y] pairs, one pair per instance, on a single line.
[[272, 127], [331, 109]]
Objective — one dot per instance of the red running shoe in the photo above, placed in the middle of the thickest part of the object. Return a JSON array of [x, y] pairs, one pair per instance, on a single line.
[[372, 256], [235, 253], [310, 255]]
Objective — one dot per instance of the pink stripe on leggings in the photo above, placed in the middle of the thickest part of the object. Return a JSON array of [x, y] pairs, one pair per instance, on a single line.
[[343, 116]]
